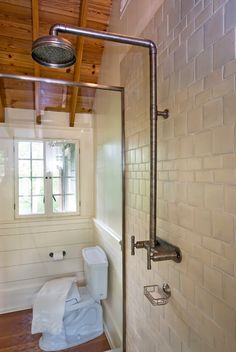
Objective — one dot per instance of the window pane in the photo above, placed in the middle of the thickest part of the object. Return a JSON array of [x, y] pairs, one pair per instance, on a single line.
[[56, 170], [70, 185], [24, 186], [56, 185], [37, 168], [56, 158], [64, 204], [69, 159], [37, 150], [57, 204], [24, 150], [62, 158], [24, 168], [38, 186], [63, 186], [24, 205], [70, 204], [38, 205], [62, 165]]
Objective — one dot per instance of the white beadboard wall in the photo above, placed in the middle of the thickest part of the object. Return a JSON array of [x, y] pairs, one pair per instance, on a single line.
[[25, 244], [108, 208], [113, 305], [24, 257]]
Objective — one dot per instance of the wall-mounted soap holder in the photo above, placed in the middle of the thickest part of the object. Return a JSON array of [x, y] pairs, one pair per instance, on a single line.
[[157, 295]]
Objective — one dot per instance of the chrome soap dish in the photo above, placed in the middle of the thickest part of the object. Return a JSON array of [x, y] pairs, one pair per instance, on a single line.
[[157, 295]]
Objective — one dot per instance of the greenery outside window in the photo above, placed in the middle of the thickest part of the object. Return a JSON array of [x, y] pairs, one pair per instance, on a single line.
[[46, 177]]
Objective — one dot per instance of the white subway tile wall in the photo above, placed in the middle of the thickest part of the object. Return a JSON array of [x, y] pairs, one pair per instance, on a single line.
[[196, 178]]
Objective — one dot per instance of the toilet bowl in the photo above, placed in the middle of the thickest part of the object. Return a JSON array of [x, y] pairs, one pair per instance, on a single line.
[[83, 316]]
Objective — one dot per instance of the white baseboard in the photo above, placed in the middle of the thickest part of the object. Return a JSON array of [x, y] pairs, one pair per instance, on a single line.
[[108, 336], [17, 298], [14, 309]]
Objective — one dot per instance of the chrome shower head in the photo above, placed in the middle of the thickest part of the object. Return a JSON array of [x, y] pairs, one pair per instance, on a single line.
[[53, 51]]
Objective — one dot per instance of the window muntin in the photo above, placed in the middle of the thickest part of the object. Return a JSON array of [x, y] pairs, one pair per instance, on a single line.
[[46, 182]]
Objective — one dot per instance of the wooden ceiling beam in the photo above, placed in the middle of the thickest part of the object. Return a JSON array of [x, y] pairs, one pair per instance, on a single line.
[[3, 103], [35, 32], [2, 110], [79, 53], [23, 20]]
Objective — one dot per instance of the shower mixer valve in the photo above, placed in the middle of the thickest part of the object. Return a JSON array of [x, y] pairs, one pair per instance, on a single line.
[[163, 250]]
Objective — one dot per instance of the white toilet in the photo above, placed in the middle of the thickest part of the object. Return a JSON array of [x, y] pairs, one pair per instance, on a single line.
[[83, 318]]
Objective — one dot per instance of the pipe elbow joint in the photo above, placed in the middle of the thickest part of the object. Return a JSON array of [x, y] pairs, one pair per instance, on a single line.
[[58, 27], [152, 46]]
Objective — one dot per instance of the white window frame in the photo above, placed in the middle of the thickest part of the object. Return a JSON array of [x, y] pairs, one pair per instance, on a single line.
[[47, 185]]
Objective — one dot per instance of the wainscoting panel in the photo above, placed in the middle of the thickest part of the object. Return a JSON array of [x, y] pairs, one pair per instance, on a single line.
[[25, 263], [113, 305]]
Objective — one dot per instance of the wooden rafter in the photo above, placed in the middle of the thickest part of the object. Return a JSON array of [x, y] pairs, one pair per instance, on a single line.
[[2, 111], [2, 101], [35, 32], [79, 54], [16, 23]]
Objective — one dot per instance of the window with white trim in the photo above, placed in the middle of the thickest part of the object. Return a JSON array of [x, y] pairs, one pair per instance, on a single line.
[[46, 177]]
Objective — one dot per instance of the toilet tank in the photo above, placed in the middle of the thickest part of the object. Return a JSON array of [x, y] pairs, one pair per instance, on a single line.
[[96, 270]]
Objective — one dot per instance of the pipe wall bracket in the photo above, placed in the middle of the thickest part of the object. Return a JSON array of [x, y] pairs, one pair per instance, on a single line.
[[164, 113]]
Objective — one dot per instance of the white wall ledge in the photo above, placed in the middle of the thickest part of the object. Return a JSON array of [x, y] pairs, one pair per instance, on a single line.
[[106, 228]]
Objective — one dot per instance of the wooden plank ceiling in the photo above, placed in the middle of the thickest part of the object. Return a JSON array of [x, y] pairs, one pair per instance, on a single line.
[[22, 21]]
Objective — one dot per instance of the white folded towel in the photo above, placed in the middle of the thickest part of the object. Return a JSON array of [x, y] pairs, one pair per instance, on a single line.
[[49, 306]]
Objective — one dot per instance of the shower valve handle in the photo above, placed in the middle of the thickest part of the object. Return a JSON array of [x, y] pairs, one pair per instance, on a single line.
[[132, 245]]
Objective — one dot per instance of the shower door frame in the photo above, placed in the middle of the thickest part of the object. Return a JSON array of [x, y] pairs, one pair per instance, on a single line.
[[121, 90]]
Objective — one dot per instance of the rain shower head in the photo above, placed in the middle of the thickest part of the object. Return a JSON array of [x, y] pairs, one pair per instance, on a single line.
[[53, 51]]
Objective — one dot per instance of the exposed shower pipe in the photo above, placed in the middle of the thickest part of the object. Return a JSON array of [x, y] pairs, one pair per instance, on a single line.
[[42, 53], [61, 82], [54, 30]]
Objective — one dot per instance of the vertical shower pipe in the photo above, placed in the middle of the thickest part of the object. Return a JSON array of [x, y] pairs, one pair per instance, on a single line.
[[113, 37]]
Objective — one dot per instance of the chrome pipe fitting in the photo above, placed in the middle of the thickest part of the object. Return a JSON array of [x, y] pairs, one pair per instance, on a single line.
[[162, 251]]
